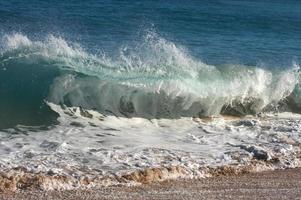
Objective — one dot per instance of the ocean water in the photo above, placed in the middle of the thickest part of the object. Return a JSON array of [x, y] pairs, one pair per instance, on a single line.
[[104, 88]]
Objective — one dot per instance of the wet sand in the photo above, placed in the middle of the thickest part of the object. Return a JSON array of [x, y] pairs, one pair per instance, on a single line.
[[280, 184]]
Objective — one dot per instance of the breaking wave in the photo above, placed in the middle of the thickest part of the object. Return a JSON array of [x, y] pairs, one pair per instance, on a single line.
[[155, 79]]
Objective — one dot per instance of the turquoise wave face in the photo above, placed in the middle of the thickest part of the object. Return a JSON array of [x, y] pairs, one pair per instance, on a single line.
[[155, 79], [148, 59], [23, 90]]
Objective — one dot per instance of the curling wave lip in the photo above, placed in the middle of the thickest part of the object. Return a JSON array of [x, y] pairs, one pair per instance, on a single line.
[[156, 79]]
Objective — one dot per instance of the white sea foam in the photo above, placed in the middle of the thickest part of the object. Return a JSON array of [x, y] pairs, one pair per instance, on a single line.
[[138, 111], [86, 143], [155, 79]]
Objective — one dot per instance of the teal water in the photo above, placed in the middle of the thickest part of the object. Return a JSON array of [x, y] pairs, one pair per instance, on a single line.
[[150, 59]]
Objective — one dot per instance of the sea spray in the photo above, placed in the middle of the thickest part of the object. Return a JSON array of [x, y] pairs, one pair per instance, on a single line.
[[155, 79]]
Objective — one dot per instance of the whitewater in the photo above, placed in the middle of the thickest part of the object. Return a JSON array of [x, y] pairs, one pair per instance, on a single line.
[[85, 116], [155, 79]]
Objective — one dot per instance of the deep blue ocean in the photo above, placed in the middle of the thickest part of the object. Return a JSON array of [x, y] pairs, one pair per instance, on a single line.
[[222, 31], [148, 54]]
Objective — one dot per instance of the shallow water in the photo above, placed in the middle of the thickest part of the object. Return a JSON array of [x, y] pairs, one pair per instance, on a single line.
[[86, 143], [105, 88]]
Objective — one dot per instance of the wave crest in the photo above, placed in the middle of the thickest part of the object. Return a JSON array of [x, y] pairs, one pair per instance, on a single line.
[[156, 78]]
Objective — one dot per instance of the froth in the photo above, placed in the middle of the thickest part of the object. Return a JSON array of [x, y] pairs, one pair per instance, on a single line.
[[16, 41], [155, 78]]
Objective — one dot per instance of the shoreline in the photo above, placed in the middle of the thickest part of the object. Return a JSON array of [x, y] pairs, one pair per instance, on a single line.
[[20, 179], [278, 184]]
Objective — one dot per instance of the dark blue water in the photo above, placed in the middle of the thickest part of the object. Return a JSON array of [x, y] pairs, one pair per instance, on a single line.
[[262, 33], [221, 31]]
